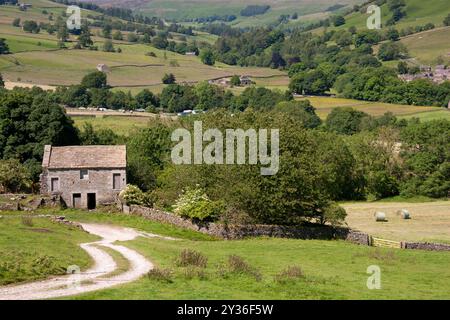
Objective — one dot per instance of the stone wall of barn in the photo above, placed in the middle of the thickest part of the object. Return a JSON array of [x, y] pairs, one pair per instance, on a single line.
[[99, 182]]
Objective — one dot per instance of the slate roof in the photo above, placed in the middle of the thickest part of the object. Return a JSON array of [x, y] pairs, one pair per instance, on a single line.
[[85, 157]]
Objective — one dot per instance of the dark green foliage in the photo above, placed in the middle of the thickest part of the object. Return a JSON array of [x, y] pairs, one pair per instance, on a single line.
[[97, 80], [148, 153], [2, 83], [207, 57], [345, 120], [338, 20], [302, 111], [28, 121], [254, 10], [176, 98], [259, 99], [447, 20], [89, 136], [392, 51], [427, 154], [31, 26], [169, 78], [108, 46], [4, 49]]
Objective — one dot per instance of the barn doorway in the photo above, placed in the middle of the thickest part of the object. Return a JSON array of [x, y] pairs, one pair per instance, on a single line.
[[76, 200], [91, 201]]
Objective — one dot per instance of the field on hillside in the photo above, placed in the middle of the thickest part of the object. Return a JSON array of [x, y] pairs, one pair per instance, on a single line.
[[176, 9], [430, 222], [324, 105], [405, 274], [36, 59], [427, 46], [418, 12]]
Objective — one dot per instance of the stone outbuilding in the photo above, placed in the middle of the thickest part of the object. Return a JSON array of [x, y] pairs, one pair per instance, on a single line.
[[84, 176]]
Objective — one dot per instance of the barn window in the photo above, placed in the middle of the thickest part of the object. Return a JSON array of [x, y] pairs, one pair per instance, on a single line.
[[54, 184], [116, 181], [84, 174]]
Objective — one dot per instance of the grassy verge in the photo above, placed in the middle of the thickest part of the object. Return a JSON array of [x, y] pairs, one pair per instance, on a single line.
[[330, 270], [134, 222], [36, 248]]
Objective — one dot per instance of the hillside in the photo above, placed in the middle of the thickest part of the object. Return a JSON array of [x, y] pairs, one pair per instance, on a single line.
[[418, 12], [179, 9], [37, 59]]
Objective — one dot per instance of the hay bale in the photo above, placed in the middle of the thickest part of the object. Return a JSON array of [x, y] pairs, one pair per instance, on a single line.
[[380, 217], [404, 214]]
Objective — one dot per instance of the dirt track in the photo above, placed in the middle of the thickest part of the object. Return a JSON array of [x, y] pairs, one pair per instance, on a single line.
[[95, 278]]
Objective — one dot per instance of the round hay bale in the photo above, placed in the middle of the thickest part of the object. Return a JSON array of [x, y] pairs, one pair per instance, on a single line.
[[380, 217], [404, 214]]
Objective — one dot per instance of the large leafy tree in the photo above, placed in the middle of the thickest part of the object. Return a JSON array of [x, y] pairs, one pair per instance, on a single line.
[[28, 121]]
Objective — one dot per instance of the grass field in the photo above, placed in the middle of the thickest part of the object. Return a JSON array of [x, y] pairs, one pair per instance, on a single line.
[[331, 269], [121, 125], [202, 8], [324, 105], [430, 221], [38, 250]]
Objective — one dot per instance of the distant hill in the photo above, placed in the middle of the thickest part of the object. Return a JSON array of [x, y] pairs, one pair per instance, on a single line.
[[181, 9]]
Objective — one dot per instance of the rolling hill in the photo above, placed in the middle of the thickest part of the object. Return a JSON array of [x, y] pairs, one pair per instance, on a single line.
[[180, 9], [36, 58]]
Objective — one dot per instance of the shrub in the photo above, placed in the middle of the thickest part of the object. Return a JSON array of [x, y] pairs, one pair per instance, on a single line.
[[14, 177], [133, 195], [195, 204], [334, 214], [193, 272], [191, 258], [27, 221], [238, 265], [162, 275], [290, 273]]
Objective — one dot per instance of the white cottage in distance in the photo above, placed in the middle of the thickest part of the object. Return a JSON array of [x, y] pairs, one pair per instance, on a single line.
[[84, 176]]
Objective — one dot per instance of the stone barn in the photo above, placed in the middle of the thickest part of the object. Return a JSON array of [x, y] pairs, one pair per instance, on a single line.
[[84, 176]]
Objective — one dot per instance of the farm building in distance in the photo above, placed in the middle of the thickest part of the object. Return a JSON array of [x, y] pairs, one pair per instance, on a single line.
[[84, 176], [440, 74]]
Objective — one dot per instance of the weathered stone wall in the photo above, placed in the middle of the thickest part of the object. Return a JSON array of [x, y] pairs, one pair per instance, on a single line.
[[426, 246], [100, 182], [243, 231]]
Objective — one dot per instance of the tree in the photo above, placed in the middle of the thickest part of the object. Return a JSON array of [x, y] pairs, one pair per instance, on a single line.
[[338, 20], [207, 57], [106, 31], [89, 136], [77, 97], [309, 82], [2, 83], [447, 20], [14, 177], [132, 37], [84, 39], [30, 26], [146, 99], [301, 111], [392, 51], [169, 78], [29, 121], [4, 49], [118, 35], [16, 22], [235, 81], [392, 34], [96, 79], [345, 120], [402, 67], [108, 46]]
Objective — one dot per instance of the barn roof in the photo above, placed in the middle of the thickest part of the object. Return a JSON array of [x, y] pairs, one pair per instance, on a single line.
[[84, 157]]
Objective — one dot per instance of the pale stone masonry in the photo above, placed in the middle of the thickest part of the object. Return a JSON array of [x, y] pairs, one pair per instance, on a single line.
[[84, 176]]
